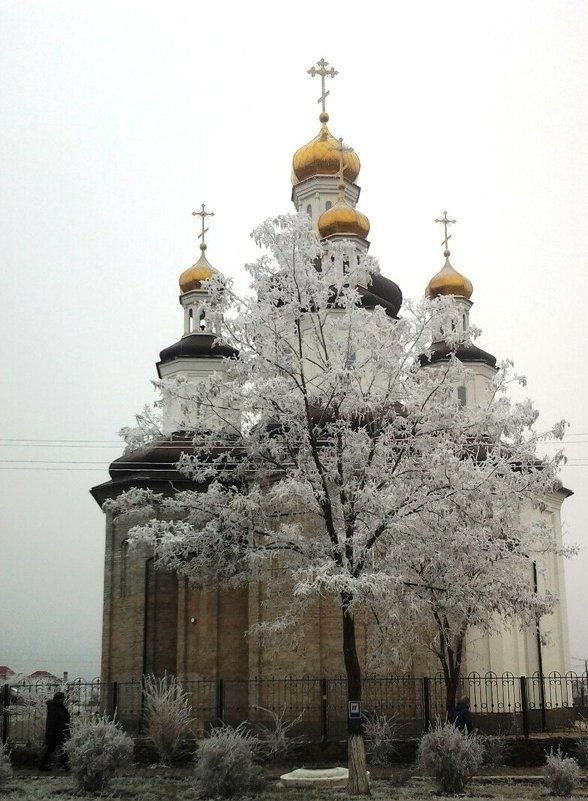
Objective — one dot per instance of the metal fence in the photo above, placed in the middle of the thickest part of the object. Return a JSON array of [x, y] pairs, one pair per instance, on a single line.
[[505, 704]]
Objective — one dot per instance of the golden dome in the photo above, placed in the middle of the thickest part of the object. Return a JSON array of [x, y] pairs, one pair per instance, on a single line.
[[449, 282], [321, 157], [192, 277], [343, 219]]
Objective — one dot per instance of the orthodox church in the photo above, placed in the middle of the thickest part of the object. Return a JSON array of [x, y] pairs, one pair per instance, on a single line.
[[154, 622]]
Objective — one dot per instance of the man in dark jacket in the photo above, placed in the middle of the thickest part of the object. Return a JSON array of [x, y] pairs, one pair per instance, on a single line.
[[463, 717], [56, 731]]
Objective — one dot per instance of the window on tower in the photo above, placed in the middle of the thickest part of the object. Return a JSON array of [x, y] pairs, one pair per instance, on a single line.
[[124, 569], [462, 397]]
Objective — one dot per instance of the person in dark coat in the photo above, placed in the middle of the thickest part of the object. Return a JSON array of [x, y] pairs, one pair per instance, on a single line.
[[463, 718], [56, 731]]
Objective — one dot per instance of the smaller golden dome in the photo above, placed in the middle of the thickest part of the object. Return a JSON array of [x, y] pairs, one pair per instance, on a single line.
[[321, 157], [201, 271], [449, 282], [343, 219]]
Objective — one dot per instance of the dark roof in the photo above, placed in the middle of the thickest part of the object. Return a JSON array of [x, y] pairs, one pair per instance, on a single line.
[[154, 467], [201, 345], [466, 352], [150, 467], [381, 292]]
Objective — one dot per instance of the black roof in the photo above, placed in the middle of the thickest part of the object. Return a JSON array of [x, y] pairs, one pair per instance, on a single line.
[[465, 352], [200, 344], [381, 292]]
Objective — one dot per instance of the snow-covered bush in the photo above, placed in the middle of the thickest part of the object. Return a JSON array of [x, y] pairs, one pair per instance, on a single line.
[[495, 751], [274, 741], [225, 762], [96, 750], [168, 715], [379, 733], [5, 767], [450, 756], [581, 752], [560, 773]]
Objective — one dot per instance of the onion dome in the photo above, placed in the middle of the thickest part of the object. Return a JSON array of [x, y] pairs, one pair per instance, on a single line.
[[343, 219], [201, 271], [381, 291], [320, 157], [449, 282]]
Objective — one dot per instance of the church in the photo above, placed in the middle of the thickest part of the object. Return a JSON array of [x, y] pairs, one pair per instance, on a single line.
[[154, 622]]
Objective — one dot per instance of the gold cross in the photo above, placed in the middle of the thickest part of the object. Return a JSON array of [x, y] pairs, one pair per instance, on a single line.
[[340, 150], [445, 221], [324, 73], [203, 214]]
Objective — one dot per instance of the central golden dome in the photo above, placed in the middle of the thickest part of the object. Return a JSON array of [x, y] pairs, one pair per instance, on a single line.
[[321, 157], [449, 282], [201, 271], [343, 219]]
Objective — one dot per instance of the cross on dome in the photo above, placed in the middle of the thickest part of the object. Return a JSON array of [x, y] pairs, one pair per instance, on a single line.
[[324, 73], [448, 281], [203, 214], [341, 149], [445, 221]]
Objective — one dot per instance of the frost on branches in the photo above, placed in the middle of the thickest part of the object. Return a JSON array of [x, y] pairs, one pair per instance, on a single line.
[[328, 451]]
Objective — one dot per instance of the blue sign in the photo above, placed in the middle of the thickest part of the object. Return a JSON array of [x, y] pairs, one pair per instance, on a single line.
[[354, 710]]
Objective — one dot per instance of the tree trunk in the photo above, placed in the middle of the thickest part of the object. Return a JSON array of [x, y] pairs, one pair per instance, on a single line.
[[451, 684], [356, 761]]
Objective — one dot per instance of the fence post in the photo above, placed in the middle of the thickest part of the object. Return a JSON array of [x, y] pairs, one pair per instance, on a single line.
[[5, 715], [220, 700], [542, 701], [426, 689], [324, 703], [524, 706]]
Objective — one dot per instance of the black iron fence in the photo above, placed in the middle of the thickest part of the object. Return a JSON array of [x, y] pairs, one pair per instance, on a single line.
[[500, 704]]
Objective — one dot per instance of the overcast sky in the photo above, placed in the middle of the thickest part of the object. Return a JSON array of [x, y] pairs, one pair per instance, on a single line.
[[118, 119]]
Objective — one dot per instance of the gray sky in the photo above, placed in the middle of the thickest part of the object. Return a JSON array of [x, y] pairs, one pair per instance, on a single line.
[[120, 118]]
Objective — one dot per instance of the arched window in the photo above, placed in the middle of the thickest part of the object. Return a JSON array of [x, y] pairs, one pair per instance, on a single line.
[[462, 397], [309, 210], [160, 621], [328, 205], [190, 321], [124, 569]]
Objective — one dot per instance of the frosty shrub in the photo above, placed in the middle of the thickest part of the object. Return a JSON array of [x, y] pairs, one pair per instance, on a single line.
[[379, 732], [495, 751], [450, 756], [96, 750], [168, 715], [560, 773], [581, 752], [225, 762], [274, 741], [5, 767]]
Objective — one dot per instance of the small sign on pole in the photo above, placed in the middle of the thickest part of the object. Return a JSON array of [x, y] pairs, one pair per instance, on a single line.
[[354, 710]]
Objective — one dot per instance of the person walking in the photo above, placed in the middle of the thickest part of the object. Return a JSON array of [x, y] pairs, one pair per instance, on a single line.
[[463, 718], [56, 731]]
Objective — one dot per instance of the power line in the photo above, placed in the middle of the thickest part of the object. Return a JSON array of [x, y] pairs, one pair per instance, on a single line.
[[87, 443], [91, 441]]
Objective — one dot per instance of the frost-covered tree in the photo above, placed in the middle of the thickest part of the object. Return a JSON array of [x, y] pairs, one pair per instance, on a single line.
[[470, 565], [327, 450]]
